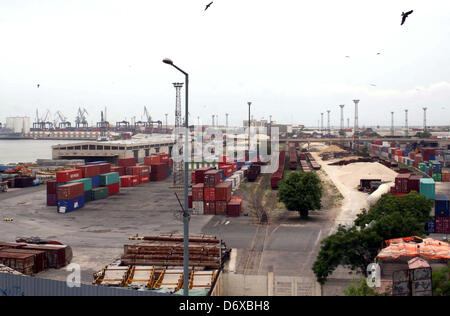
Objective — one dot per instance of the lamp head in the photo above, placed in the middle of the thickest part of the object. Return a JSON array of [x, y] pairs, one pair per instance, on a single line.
[[168, 61]]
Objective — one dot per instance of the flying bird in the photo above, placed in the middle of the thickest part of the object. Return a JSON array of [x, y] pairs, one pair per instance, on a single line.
[[38, 85], [405, 15], [373, 85], [207, 7], [378, 53]]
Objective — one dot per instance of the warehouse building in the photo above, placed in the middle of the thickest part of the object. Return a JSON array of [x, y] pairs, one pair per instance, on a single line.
[[112, 150]]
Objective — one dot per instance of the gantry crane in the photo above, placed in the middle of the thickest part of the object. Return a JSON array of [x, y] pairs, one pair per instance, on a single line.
[[81, 120], [64, 123]]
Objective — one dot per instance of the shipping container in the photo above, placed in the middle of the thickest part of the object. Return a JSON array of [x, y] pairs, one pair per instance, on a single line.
[[68, 175], [442, 205], [198, 207], [414, 183], [127, 162], [109, 178], [210, 208], [120, 170], [126, 181], [223, 192], [234, 207], [89, 171], [197, 192], [96, 181], [144, 179], [87, 183], [51, 187], [52, 199], [402, 183], [67, 206], [442, 225], [88, 196], [113, 188], [212, 178], [104, 168], [427, 188], [221, 207], [100, 193], [70, 191], [209, 194]]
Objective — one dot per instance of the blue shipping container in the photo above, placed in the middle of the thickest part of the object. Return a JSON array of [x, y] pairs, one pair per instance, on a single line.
[[95, 163], [442, 207], [67, 206], [430, 227], [96, 181]]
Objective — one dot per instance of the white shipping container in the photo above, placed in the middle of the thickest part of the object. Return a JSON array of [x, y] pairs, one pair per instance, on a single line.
[[198, 208]]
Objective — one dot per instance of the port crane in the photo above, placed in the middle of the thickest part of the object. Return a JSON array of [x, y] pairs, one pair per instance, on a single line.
[[80, 120], [43, 123], [63, 120], [149, 122]]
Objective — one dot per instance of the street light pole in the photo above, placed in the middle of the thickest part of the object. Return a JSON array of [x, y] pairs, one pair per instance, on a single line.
[[186, 180], [249, 106]]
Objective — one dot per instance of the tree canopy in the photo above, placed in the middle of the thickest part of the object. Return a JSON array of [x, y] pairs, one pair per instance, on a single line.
[[301, 192], [357, 246], [441, 282]]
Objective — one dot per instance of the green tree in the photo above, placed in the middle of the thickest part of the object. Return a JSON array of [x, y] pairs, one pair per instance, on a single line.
[[424, 134], [357, 246], [441, 282], [362, 290], [301, 192]]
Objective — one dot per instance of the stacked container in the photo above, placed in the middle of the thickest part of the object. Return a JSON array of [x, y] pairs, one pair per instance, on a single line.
[[51, 194], [428, 188], [87, 183], [442, 214], [70, 197], [278, 175], [111, 181]]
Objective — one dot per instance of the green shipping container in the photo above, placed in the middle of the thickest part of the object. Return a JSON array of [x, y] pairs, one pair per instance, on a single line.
[[422, 166], [428, 188], [86, 181], [437, 177], [109, 178], [100, 193]]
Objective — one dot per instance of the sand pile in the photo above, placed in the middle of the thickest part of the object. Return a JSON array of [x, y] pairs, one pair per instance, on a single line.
[[351, 174], [332, 149]]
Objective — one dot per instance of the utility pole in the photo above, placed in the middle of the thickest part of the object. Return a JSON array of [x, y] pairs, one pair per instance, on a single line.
[[178, 166], [424, 119], [212, 120], [167, 125], [321, 125], [226, 119], [392, 124], [342, 116], [356, 117], [348, 123], [406, 123], [329, 127], [249, 122]]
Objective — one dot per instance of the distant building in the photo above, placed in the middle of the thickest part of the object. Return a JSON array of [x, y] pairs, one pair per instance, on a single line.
[[18, 124]]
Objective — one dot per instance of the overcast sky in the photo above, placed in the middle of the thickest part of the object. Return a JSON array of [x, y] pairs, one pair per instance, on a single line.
[[287, 57]]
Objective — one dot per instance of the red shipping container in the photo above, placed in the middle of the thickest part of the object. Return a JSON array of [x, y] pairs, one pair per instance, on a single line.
[[200, 174], [171, 163], [164, 157], [120, 170], [104, 168], [144, 179], [223, 192], [190, 200], [193, 177], [442, 225], [209, 194], [212, 178], [402, 183], [126, 181], [197, 192], [127, 162], [113, 188], [414, 182], [70, 191], [221, 207], [135, 180], [138, 171], [51, 187], [68, 175], [152, 160], [52, 199], [234, 207], [90, 171], [210, 208], [445, 176]]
